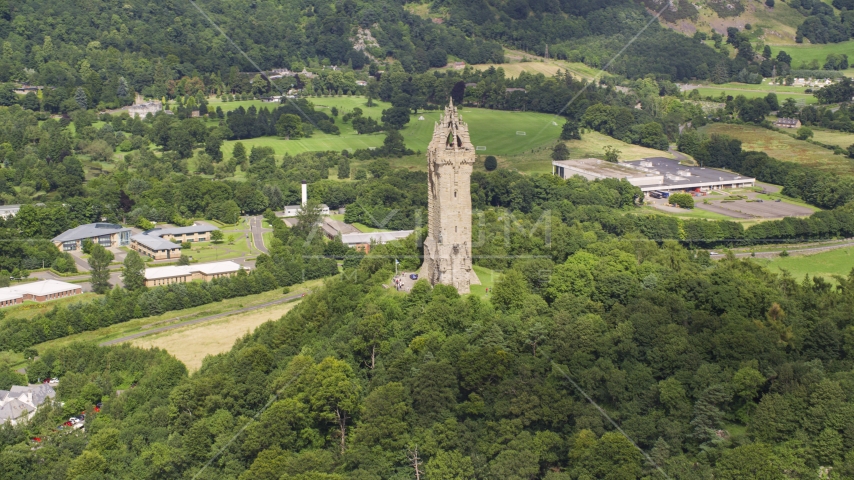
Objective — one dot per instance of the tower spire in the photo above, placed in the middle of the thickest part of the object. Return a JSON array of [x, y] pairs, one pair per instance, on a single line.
[[447, 249]]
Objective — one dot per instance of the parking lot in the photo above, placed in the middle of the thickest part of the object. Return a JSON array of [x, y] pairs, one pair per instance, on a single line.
[[755, 209], [403, 281]]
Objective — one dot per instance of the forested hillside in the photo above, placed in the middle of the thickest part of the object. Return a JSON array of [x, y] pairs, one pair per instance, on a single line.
[[66, 43], [716, 369]]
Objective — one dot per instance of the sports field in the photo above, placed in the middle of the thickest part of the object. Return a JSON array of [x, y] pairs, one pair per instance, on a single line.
[[784, 147], [500, 132], [825, 264]]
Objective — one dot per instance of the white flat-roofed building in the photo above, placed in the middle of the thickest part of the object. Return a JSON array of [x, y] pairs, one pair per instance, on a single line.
[[187, 273], [41, 291], [653, 174], [363, 241]]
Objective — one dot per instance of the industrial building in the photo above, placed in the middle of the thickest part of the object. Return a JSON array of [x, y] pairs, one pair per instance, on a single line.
[[653, 174], [363, 241], [294, 210], [187, 273], [38, 292]]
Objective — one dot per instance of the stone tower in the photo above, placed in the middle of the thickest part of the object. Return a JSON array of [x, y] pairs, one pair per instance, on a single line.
[[447, 249]]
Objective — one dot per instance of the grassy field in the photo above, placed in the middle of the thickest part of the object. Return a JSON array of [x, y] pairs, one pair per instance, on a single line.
[[147, 323], [31, 309], [487, 279], [592, 145], [193, 343], [209, 252], [784, 147], [833, 137], [806, 53], [825, 264], [494, 129], [759, 92]]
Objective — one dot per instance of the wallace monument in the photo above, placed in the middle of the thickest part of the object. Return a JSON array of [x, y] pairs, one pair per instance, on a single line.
[[447, 249]]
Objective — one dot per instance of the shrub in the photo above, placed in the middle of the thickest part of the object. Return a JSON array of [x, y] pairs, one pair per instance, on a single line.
[[682, 200], [491, 163]]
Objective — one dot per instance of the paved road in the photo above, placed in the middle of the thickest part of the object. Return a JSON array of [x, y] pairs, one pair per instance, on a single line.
[[256, 226], [678, 156], [199, 320]]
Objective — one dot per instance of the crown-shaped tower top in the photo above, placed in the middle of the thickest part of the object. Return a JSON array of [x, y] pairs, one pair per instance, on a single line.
[[450, 132]]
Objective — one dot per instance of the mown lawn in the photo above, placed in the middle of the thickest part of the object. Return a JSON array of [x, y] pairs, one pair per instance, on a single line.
[[807, 52], [784, 147], [487, 279], [758, 92], [31, 309], [833, 137], [825, 264], [501, 132]]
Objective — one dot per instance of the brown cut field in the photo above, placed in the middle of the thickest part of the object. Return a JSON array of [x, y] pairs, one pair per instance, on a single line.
[[195, 342]]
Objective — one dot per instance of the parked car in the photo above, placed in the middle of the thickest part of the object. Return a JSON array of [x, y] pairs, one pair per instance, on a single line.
[[414, 276]]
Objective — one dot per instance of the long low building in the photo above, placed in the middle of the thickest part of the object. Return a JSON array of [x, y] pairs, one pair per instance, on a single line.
[[653, 174], [38, 292], [164, 243], [103, 234], [158, 276], [363, 241]]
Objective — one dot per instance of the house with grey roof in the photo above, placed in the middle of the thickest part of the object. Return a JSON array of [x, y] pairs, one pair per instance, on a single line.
[[103, 234], [164, 243], [20, 403]]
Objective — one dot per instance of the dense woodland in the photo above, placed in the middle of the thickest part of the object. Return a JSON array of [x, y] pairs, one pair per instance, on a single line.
[[717, 370]]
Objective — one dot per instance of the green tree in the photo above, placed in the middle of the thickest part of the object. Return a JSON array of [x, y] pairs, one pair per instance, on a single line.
[[80, 98], [184, 260], [344, 168], [333, 394], [395, 118], [289, 126], [99, 263], [570, 131], [560, 151], [804, 133], [510, 291], [122, 91], [612, 154], [217, 236], [238, 153], [213, 145], [755, 461], [450, 465], [133, 271], [490, 163], [682, 200]]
